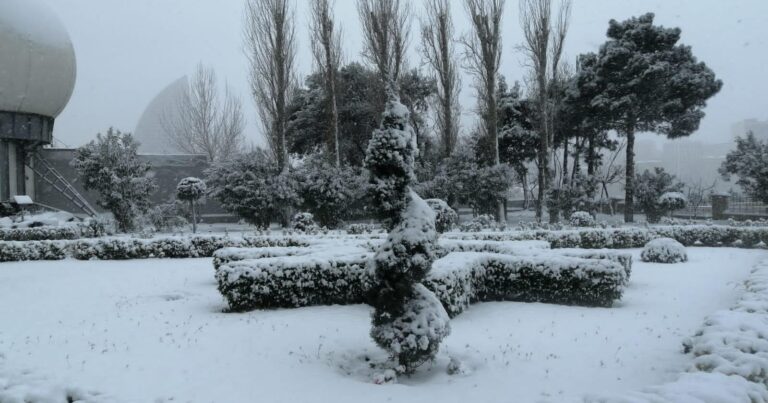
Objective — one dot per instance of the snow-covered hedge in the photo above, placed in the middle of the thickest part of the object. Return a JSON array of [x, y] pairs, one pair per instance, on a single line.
[[730, 351], [295, 281], [458, 279], [33, 250], [664, 250], [632, 237], [122, 248], [358, 229], [169, 247], [463, 278], [75, 231]]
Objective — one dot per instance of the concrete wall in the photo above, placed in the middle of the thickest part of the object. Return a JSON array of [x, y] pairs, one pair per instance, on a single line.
[[167, 170]]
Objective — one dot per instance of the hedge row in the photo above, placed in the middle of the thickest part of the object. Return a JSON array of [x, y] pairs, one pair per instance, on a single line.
[[133, 248], [633, 237], [294, 281], [730, 353], [75, 231], [458, 279], [464, 278]]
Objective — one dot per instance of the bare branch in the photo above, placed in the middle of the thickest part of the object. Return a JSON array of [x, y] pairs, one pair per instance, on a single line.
[[326, 51], [386, 29], [437, 48], [270, 45], [201, 123]]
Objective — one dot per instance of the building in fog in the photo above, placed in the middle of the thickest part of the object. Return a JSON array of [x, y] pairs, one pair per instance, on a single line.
[[758, 127]]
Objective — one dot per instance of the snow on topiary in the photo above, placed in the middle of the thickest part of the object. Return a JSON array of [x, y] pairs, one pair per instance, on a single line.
[[191, 190], [671, 201], [445, 217], [406, 321], [664, 250], [582, 219], [304, 222]]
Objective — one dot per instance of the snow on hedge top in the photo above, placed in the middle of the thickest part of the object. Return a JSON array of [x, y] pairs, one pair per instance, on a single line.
[[664, 250]]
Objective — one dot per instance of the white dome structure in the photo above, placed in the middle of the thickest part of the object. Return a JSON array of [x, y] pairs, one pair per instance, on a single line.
[[37, 60], [37, 77]]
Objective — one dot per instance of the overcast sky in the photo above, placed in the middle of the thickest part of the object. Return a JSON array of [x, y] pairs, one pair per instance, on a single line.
[[127, 51]]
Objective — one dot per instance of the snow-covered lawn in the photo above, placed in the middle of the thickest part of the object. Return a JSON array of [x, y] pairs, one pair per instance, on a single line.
[[153, 330]]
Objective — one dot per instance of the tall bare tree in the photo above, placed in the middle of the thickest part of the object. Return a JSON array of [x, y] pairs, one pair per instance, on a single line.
[[270, 45], [202, 122], [325, 37], [437, 46], [482, 48], [386, 26], [543, 44]]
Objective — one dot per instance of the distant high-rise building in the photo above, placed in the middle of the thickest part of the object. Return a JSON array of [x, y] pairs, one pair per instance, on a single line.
[[758, 127]]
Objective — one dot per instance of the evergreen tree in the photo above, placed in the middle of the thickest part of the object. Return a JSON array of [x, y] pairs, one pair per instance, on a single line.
[[644, 81], [749, 161], [110, 165], [409, 321]]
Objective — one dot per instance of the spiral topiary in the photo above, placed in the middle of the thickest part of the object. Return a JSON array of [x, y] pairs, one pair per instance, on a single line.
[[408, 320]]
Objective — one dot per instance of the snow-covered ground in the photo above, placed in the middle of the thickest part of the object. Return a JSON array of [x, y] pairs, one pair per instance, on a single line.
[[154, 331]]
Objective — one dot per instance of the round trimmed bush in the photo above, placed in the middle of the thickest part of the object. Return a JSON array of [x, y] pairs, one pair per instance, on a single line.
[[445, 217], [303, 222], [582, 219], [664, 250]]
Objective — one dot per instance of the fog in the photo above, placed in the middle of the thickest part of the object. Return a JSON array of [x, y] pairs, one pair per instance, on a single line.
[[128, 51]]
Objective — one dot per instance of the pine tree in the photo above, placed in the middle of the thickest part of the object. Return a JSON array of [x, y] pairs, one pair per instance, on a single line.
[[646, 82]]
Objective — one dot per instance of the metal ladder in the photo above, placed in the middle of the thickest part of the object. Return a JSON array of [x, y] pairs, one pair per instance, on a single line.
[[49, 174]]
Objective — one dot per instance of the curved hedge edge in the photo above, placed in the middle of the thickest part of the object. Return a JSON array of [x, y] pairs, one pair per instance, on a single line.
[[632, 237], [458, 280], [730, 353]]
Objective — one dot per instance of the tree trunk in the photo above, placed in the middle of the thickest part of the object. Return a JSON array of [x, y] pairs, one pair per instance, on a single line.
[[591, 159], [524, 180], [194, 216], [565, 161], [629, 180]]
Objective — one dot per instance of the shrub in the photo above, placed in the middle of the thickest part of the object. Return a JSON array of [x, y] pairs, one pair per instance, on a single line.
[[330, 192], [358, 229], [304, 222], [649, 187], [671, 201], [110, 166], [479, 223], [445, 217], [664, 250], [253, 187], [73, 231], [582, 219]]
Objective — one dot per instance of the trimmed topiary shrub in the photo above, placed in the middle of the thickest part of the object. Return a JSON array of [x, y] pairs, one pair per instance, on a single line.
[[664, 250], [445, 217], [405, 258], [304, 222]]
